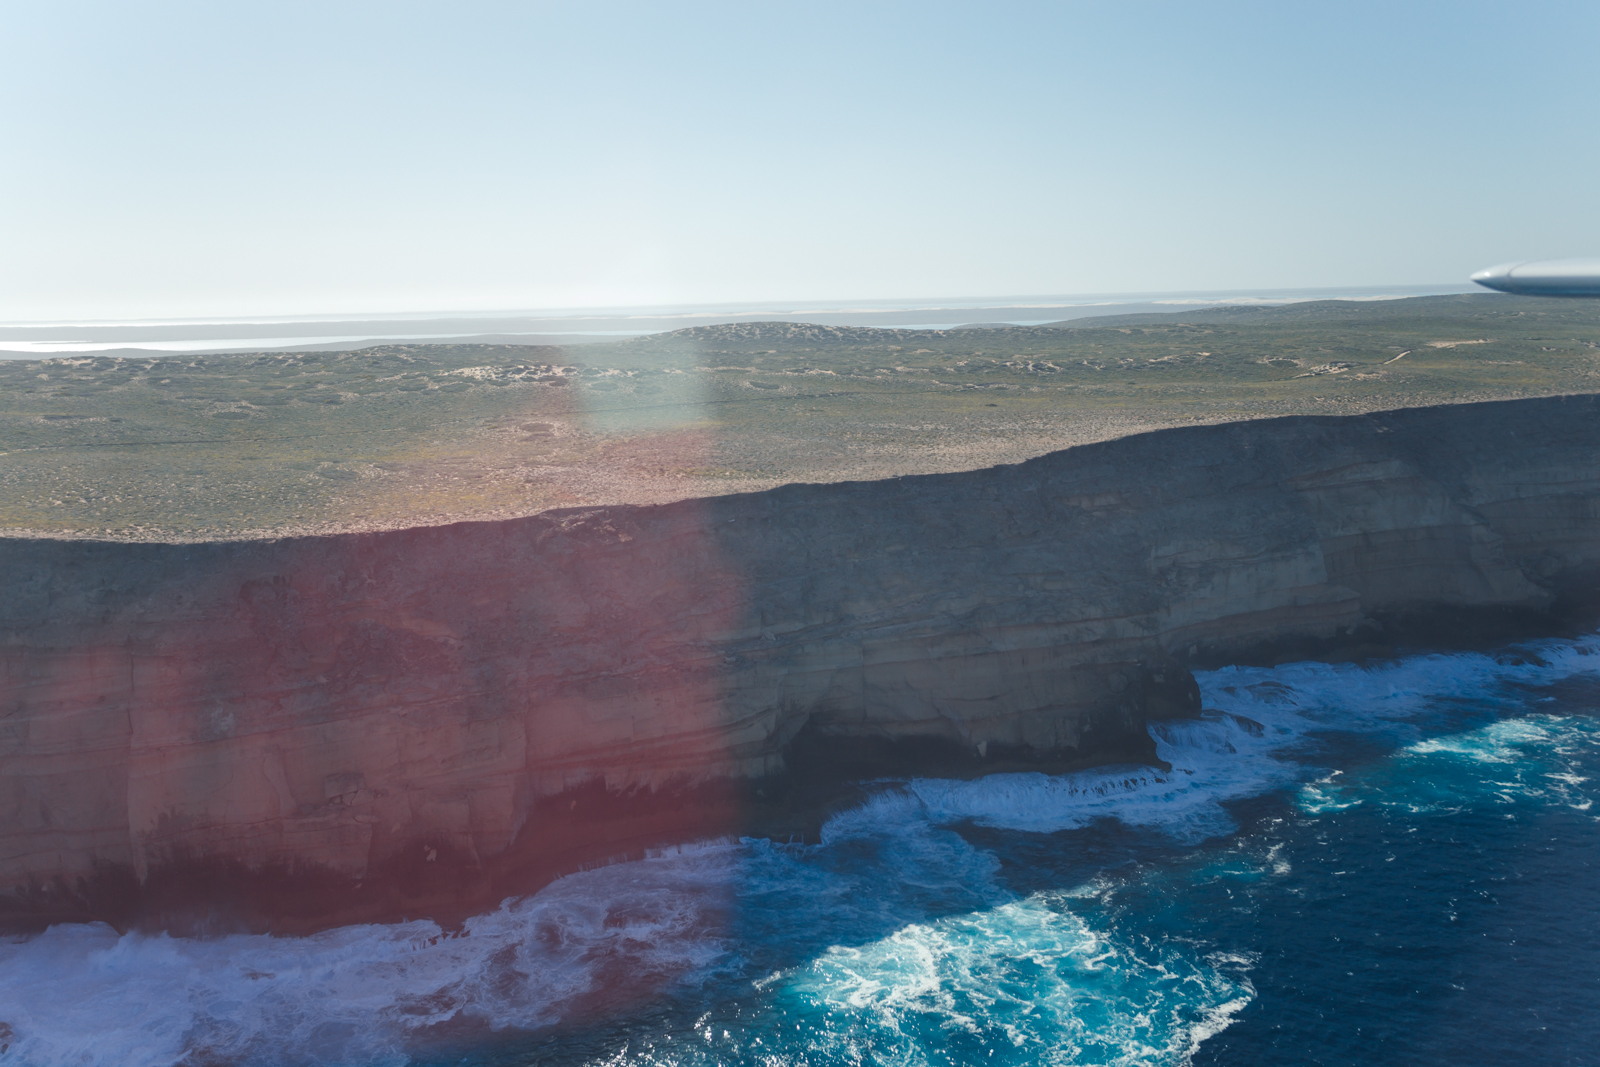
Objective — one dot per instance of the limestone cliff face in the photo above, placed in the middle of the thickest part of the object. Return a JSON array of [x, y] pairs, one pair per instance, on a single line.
[[362, 712]]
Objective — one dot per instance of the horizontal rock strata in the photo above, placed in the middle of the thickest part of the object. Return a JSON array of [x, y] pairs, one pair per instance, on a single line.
[[284, 734]]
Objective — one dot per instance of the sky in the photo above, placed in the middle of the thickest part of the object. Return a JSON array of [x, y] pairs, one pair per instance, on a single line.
[[204, 159]]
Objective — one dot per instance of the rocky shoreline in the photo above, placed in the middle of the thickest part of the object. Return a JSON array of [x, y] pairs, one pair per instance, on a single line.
[[287, 735]]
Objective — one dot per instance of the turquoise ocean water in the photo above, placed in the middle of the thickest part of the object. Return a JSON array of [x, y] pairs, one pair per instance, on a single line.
[[1397, 863]]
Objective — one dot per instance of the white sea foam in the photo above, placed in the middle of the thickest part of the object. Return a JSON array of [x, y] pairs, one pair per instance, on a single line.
[[1513, 761], [1257, 718], [84, 995], [1030, 975]]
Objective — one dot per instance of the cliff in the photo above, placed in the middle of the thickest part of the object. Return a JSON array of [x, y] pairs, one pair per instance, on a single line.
[[291, 733]]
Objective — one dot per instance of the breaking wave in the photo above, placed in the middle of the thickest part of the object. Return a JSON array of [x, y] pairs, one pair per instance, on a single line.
[[904, 937]]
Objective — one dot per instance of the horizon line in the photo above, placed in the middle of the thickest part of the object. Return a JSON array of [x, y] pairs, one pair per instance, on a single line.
[[692, 309]]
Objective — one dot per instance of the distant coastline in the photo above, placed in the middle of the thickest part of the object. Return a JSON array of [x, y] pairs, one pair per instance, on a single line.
[[309, 333], [190, 447]]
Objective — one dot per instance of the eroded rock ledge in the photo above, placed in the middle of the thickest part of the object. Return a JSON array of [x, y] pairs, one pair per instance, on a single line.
[[297, 733]]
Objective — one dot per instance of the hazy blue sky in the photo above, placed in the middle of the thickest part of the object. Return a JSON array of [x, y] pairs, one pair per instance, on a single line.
[[280, 158]]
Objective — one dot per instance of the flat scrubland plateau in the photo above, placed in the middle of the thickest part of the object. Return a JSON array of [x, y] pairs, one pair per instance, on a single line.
[[274, 444]]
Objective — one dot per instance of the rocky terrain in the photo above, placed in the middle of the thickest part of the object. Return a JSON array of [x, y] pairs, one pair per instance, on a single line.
[[286, 733]]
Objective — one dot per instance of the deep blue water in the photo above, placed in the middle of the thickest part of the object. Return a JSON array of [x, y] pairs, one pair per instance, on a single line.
[[1395, 864]]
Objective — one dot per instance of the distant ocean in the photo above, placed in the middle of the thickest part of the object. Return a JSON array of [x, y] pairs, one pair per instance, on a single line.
[[1394, 864], [34, 340]]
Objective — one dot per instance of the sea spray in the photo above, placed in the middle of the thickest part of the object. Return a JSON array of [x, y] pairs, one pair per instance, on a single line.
[[917, 932]]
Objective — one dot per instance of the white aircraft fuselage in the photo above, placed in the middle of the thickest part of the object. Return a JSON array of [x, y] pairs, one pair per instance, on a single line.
[[1546, 277]]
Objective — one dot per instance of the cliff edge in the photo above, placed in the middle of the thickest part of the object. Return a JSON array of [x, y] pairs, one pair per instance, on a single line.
[[292, 733]]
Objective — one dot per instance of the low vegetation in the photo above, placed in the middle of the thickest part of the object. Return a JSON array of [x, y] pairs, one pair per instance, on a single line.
[[269, 444]]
